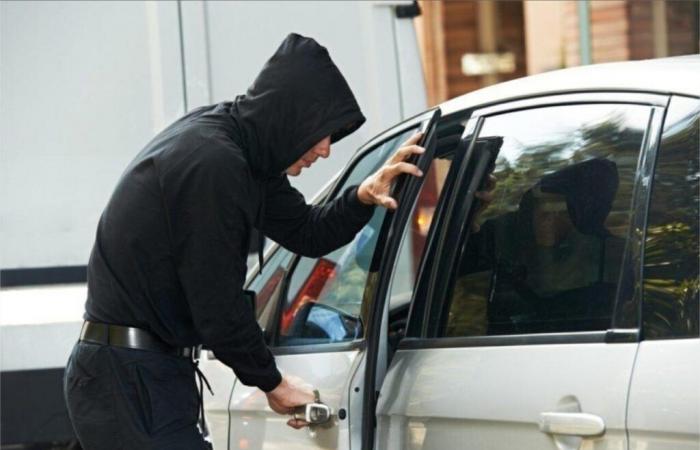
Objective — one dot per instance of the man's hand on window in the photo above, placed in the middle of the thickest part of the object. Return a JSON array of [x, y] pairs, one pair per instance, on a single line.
[[376, 189]]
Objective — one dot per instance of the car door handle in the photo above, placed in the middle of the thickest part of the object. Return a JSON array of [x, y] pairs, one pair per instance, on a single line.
[[315, 413], [571, 424]]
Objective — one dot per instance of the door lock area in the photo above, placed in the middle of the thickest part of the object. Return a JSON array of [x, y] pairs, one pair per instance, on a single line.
[[315, 413]]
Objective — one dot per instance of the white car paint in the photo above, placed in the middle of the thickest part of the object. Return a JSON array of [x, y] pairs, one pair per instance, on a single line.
[[491, 398], [255, 426], [664, 402], [676, 75]]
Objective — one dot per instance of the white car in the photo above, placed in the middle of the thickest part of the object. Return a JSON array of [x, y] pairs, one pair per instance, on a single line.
[[568, 321]]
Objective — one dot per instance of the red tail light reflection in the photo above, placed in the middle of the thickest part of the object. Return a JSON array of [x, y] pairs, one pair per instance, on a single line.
[[323, 272]]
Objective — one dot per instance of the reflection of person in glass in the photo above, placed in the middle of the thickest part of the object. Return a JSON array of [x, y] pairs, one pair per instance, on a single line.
[[551, 259]]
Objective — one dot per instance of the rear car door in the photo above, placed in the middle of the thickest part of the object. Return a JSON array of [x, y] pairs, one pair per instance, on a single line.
[[318, 324], [523, 334]]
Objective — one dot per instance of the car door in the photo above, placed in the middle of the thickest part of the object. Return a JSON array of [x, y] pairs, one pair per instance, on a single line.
[[664, 400], [318, 326], [524, 334]]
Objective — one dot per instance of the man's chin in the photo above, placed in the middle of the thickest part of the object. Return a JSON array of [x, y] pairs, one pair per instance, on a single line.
[[293, 171]]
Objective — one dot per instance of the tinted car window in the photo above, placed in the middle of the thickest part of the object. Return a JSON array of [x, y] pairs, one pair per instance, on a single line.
[[325, 297], [548, 255], [671, 284]]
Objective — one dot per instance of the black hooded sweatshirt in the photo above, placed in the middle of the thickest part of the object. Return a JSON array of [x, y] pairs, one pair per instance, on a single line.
[[171, 246]]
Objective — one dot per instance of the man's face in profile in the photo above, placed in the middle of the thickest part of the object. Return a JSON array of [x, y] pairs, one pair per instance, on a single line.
[[321, 150], [550, 219]]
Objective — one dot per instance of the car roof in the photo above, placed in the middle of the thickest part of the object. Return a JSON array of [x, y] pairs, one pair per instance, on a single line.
[[675, 75]]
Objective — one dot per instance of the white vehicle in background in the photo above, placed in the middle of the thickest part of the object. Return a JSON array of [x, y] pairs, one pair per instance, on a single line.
[[414, 344], [116, 73]]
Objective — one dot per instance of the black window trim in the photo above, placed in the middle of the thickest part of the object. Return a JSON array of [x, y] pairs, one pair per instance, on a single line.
[[426, 284], [641, 198], [585, 337], [328, 347], [664, 127]]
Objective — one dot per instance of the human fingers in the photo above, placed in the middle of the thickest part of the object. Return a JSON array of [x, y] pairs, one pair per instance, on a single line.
[[405, 152], [297, 424], [485, 196], [490, 182], [386, 201], [396, 169], [413, 139], [278, 407]]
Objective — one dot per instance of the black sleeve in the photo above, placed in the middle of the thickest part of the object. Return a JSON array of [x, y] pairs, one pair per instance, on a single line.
[[312, 230], [210, 223]]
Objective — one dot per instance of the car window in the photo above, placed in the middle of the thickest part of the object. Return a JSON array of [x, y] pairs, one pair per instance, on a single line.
[[671, 283], [266, 284], [549, 251], [324, 301], [416, 232], [413, 243]]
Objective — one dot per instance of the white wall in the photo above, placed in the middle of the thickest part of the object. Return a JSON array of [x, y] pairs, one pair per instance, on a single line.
[[85, 85]]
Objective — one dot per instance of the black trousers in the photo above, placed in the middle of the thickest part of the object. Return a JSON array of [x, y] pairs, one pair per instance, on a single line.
[[127, 399]]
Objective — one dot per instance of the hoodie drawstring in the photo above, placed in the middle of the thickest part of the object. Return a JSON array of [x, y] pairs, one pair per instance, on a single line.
[[202, 382]]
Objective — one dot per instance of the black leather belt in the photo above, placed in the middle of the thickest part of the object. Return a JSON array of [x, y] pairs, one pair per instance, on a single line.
[[130, 337]]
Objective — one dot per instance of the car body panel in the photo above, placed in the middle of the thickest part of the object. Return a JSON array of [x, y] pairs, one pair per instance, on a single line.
[[491, 398], [676, 75], [255, 426], [664, 401]]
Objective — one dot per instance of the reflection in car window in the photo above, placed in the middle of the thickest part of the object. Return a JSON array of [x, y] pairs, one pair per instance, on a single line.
[[548, 255], [325, 295], [415, 234], [671, 284], [413, 243], [267, 284]]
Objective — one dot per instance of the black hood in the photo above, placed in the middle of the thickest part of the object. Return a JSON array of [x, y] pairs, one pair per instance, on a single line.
[[298, 98], [589, 188]]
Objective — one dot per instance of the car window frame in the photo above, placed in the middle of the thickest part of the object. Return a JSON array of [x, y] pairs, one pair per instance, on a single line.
[[667, 125], [356, 344], [420, 331]]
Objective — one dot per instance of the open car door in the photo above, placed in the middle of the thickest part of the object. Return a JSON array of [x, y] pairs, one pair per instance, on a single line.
[[323, 316], [466, 164]]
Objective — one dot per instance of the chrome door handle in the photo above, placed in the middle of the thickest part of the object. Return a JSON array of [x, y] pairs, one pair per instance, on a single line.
[[571, 424], [315, 413]]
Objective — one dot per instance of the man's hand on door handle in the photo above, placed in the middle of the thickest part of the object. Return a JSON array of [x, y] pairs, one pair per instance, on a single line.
[[290, 393]]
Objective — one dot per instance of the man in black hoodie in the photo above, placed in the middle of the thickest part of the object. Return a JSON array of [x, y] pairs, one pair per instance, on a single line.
[[169, 260]]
